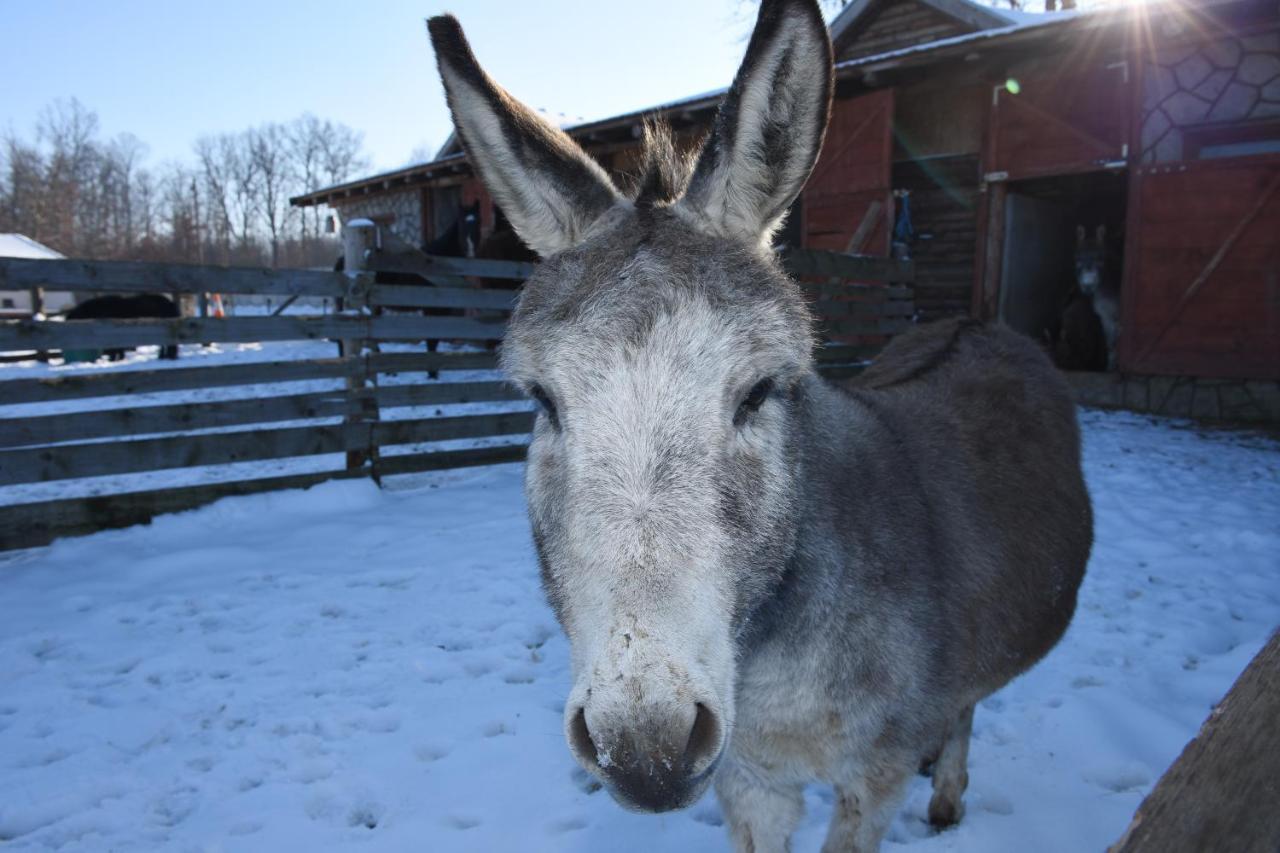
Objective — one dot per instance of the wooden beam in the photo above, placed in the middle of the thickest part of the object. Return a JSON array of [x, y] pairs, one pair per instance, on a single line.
[[423, 430], [446, 393], [136, 277], [858, 289], [839, 309], [106, 334], [358, 240], [427, 296], [812, 262], [413, 261], [73, 386], [414, 463], [42, 430], [430, 362], [34, 524], [73, 461], [1222, 792], [863, 325], [183, 417]]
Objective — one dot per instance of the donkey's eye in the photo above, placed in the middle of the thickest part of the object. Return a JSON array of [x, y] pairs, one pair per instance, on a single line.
[[754, 400], [544, 400]]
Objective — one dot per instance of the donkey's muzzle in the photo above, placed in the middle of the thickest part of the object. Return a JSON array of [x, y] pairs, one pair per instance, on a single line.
[[653, 764]]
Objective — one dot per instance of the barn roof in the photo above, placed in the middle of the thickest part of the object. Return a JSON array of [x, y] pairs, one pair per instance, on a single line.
[[965, 11], [21, 246], [1005, 28]]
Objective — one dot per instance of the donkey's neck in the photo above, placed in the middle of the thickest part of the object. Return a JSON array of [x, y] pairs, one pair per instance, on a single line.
[[846, 453]]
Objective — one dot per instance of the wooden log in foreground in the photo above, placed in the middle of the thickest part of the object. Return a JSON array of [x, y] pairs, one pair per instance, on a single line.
[[1223, 792]]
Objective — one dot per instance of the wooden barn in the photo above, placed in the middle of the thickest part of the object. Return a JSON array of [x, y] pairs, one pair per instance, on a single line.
[[980, 142]]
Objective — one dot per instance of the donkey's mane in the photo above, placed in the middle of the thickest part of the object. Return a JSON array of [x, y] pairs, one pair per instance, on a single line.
[[664, 173]]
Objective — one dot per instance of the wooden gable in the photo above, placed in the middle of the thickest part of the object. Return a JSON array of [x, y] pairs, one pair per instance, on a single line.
[[887, 25]]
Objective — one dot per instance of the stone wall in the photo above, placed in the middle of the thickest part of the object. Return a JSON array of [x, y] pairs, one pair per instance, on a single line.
[[1228, 80], [1243, 401], [403, 209]]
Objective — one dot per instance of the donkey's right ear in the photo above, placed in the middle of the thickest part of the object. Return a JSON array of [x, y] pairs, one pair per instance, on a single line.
[[545, 183], [769, 128]]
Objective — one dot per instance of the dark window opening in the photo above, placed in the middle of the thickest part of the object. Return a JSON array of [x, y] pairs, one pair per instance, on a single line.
[[1210, 142]]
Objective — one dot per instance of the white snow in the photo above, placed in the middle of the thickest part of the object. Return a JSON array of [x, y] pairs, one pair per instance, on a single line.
[[14, 245], [354, 669]]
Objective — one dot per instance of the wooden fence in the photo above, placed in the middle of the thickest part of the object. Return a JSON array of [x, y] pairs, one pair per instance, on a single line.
[[262, 418]]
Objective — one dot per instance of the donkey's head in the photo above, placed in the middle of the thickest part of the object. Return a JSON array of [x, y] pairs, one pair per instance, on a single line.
[[1090, 259], [665, 348]]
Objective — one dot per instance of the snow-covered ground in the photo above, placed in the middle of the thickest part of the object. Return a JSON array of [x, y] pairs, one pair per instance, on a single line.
[[354, 669]]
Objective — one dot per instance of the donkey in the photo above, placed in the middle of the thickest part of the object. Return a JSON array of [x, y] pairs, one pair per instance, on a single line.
[[765, 580], [1095, 283]]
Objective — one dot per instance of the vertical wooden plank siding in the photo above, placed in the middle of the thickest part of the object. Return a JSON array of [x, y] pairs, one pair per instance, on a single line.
[[1205, 295], [853, 171]]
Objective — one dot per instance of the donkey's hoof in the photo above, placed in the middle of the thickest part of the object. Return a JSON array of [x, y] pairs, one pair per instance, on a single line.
[[944, 813]]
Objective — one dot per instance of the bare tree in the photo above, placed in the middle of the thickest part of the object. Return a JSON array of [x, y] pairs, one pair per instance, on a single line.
[[67, 129], [22, 206], [94, 198], [306, 149], [269, 152], [342, 152], [127, 153]]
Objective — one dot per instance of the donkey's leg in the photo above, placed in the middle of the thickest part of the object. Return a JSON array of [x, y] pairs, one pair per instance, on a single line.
[[865, 807], [951, 773], [760, 815]]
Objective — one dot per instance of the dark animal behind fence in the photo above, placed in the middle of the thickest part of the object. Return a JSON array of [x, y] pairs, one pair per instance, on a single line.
[[461, 238], [142, 306]]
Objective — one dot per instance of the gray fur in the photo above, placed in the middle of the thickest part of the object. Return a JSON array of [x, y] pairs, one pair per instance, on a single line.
[[818, 585]]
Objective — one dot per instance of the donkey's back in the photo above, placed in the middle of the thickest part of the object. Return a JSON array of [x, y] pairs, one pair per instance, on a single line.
[[989, 426]]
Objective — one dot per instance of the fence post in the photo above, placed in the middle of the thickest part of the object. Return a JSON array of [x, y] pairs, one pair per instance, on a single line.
[[358, 239]]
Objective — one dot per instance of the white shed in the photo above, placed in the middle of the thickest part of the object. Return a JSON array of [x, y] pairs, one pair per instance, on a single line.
[[17, 303]]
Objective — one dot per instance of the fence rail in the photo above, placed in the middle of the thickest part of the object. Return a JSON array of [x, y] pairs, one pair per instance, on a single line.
[[380, 412]]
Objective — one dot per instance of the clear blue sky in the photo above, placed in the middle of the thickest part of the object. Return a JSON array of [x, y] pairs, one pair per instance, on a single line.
[[173, 70]]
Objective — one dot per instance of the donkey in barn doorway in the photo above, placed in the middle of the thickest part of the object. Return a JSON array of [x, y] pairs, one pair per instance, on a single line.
[[765, 580], [1096, 290]]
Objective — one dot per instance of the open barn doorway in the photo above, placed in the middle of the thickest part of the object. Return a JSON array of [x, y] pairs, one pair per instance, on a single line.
[[1063, 264]]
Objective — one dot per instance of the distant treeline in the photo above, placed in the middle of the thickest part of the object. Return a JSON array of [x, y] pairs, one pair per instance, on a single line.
[[89, 197]]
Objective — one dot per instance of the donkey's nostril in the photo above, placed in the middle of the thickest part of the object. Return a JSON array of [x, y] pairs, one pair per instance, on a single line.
[[580, 738], [704, 739]]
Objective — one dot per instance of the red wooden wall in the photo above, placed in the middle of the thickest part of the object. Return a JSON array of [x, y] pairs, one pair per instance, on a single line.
[[1202, 296], [1073, 119], [853, 171]]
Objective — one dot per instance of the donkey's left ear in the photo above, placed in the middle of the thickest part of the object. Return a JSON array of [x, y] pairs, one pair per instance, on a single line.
[[769, 129], [551, 190]]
